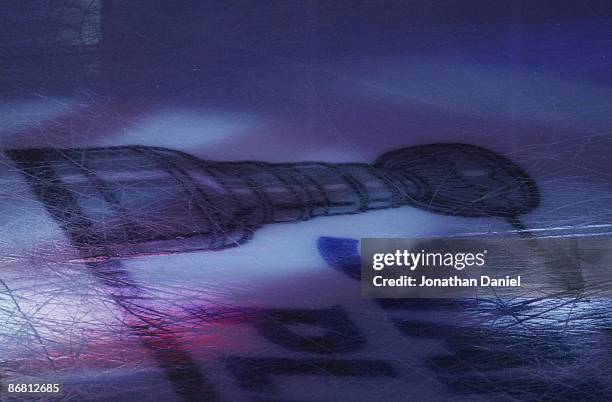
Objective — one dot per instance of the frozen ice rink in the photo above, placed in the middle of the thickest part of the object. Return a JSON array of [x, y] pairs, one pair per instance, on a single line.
[[271, 310]]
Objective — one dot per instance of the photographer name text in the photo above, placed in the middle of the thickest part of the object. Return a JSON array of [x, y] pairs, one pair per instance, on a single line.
[[453, 281]]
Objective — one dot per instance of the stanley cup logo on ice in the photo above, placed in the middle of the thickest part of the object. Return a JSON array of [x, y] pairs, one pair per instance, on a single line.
[[138, 199]]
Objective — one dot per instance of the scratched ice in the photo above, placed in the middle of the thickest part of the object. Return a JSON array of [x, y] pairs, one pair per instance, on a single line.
[[98, 290]]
